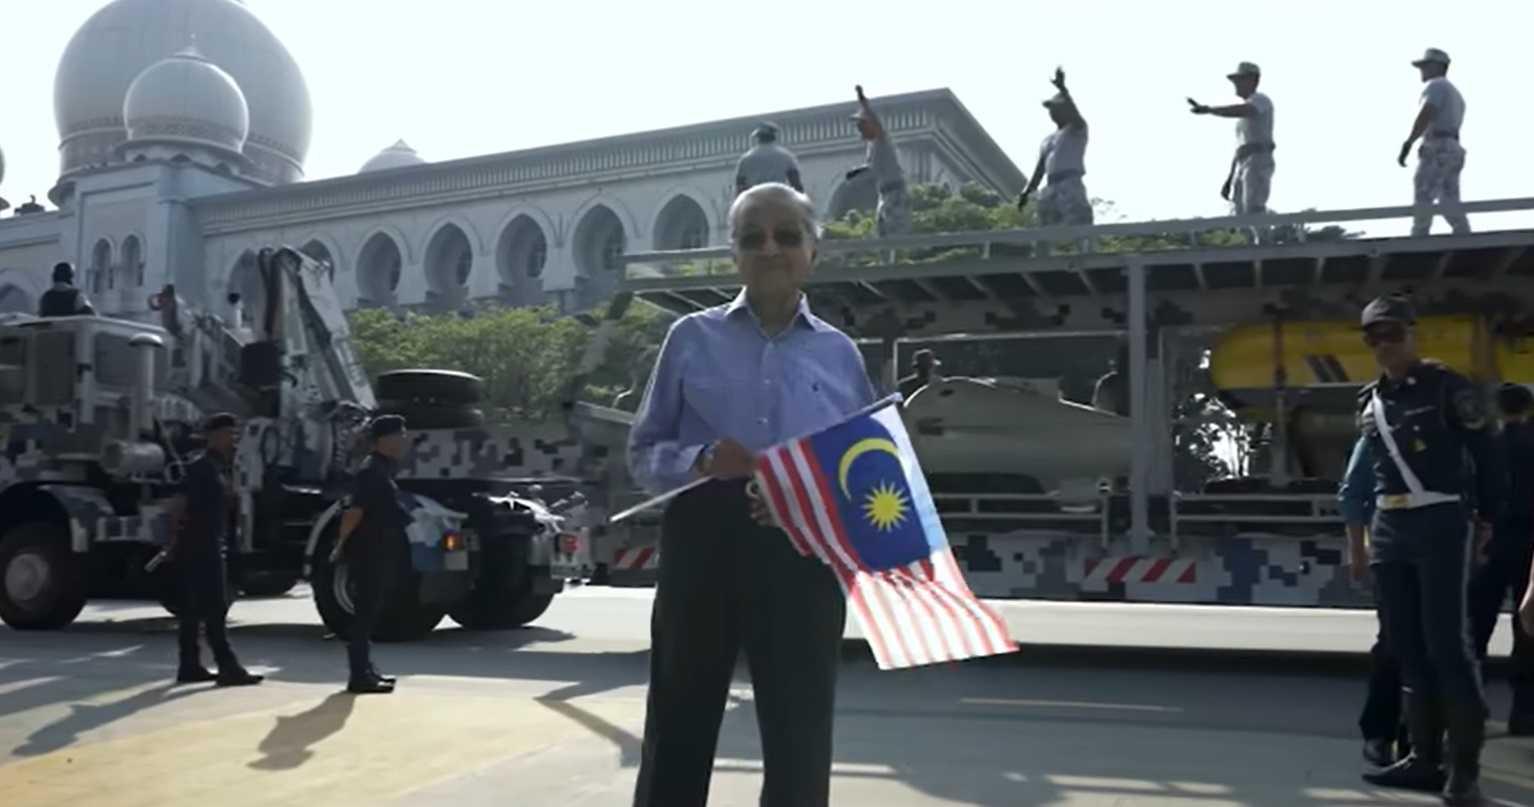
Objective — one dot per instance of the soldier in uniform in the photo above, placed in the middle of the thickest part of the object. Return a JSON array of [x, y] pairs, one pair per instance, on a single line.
[[767, 162], [200, 518], [894, 211], [1421, 420], [1440, 157], [1251, 169], [63, 299], [924, 369], [1062, 160], [1507, 559], [372, 541]]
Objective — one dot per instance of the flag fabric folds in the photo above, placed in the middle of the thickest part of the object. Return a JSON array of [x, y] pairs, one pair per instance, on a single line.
[[854, 496]]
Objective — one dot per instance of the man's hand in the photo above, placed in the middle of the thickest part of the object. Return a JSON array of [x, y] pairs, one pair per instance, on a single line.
[[1059, 79], [862, 99], [1197, 108], [1225, 189], [1358, 563], [731, 460], [1022, 200], [1483, 533], [1405, 150], [760, 513]]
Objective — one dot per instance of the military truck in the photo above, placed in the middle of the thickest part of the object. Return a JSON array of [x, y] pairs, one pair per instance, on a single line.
[[98, 420], [1268, 328]]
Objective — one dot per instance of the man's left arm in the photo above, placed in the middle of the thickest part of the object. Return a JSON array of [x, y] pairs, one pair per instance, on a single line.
[[1469, 416]]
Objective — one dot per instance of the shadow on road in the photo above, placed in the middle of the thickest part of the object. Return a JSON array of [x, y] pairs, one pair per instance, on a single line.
[[85, 717], [289, 742]]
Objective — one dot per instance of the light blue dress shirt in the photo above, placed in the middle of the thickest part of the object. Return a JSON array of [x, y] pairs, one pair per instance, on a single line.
[[1355, 497], [720, 376]]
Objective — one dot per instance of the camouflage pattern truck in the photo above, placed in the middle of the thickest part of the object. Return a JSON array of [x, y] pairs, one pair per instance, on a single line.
[[98, 421]]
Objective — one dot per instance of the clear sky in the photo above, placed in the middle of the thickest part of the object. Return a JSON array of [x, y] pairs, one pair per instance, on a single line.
[[458, 78]]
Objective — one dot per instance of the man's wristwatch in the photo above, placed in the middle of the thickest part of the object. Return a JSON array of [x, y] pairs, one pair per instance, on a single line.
[[706, 458]]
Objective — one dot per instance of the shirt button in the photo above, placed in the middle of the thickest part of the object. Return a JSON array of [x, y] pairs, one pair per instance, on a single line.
[[762, 421]]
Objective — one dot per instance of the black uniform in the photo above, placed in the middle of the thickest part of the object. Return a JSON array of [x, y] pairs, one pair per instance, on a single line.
[[1421, 547], [63, 300], [376, 553], [1507, 568], [200, 560]]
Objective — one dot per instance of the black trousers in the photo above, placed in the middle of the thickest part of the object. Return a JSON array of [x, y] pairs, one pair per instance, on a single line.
[[375, 572], [1506, 572], [204, 593], [1381, 715], [726, 584], [1421, 566]]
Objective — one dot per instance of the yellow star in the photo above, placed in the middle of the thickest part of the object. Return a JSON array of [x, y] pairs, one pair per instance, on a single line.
[[885, 507]]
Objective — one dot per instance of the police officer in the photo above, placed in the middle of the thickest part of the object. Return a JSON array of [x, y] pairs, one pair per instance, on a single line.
[[924, 369], [372, 540], [200, 521], [1251, 169], [1440, 113], [1062, 160], [767, 161], [1509, 555], [893, 215], [63, 299], [1421, 419]]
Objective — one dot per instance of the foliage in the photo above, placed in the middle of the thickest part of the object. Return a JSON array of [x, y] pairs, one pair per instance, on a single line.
[[525, 355]]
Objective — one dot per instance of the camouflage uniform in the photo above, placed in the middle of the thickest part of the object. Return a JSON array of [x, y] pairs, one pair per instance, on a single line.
[[1440, 158], [1253, 177], [1064, 201], [894, 211]]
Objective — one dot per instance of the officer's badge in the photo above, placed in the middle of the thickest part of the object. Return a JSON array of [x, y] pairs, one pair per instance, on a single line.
[[1418, 445], [1469, 408]]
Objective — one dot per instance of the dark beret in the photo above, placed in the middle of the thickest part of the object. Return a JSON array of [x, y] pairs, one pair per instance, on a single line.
[[221, 420], [385, 425]]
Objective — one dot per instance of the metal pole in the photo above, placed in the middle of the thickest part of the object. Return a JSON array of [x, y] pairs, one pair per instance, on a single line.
[[1279, 461], [1139, 469]]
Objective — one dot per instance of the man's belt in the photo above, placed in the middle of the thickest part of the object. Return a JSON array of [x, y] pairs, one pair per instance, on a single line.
[[1064, 176], [1411, 501], [1248, 149], [1443, 134]]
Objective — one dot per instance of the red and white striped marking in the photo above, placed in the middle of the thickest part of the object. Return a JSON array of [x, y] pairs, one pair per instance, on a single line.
[[1135, 569], [634, 558]]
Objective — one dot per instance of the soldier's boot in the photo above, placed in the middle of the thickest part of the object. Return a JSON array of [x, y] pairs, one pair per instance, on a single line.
[[364, 680], [1422, 769], [387, 679], [189, 670], [230, 672], [1467, 733]]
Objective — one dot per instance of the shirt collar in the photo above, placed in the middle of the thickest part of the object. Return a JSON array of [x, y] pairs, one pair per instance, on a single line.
[[802, 315]]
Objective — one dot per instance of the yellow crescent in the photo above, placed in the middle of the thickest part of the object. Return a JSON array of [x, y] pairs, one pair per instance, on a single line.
[[858, 449]]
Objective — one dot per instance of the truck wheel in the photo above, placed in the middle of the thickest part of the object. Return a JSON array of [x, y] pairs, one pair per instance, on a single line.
[[42, 583], [501, 610], [268, 584], [447, 387], [432, 416], [404, 619]]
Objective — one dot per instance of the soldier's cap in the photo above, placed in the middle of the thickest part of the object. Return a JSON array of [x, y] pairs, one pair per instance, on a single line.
[[924, 353], [765, 131], [1058, 99], [1388, 308], [220, 420], [63, 272], [1432, 56], [1514, 399], [385, 425], [1245, 69]]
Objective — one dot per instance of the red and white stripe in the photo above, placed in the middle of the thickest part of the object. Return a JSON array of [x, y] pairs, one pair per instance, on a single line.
[[636, 558], [1136, 569], [921, 613]]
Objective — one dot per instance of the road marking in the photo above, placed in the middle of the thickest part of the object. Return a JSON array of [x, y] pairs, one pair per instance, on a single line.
[[1115, 707], [338, 750]]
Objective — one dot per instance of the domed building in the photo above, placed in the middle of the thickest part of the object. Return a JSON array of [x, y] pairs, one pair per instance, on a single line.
[[119, 42], [184, 126]]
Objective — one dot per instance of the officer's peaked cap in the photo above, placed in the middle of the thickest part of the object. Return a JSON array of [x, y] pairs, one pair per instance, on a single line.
[[220, 420], [1388, 308], [385, 425]]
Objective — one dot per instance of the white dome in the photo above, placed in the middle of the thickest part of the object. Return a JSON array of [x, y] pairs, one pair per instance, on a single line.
[[187, 99], [127, 36], [398, 155]]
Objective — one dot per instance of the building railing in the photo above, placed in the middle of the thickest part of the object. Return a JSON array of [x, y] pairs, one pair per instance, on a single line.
[[1099, 239]]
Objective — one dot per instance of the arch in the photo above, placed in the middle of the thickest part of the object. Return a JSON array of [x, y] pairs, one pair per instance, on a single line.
[[540, 217], [681, 223], [860, 193], [401, 243], [131, 267], [449, 264], [521, 253], [320, 251], [598, 246], [15, 299], [332, 248], [245, 280], [625, 216], [100, 271], [469, 230], [380, 262]]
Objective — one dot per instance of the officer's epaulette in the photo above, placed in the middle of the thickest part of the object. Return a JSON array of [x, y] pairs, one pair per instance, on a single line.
[[1367, 391]]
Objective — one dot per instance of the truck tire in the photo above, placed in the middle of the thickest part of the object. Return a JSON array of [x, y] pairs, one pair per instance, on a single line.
[[267, 584], [443, 387], [501, 609], [432, 416], [42, 583], [404, 619]]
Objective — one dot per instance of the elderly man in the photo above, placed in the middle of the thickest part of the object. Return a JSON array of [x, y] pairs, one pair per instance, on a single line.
[[1441, 157], [1251, 169], [731, 381], [1062, 159], [767, 162], [894, 211]]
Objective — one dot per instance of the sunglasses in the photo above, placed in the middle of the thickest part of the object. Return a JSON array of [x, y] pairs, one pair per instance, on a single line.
[[1384, 336], [786, 237]]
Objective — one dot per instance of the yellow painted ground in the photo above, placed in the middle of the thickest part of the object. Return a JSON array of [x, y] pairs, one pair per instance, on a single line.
[[336, 750]]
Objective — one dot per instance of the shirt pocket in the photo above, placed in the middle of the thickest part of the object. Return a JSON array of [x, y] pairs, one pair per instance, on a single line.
[[821, 392]]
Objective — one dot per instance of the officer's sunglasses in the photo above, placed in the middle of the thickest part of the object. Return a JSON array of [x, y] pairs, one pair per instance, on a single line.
[[1387, 335], [786, 237]]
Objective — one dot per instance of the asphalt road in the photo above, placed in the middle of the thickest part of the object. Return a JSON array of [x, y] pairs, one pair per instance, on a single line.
[[1105, 705]]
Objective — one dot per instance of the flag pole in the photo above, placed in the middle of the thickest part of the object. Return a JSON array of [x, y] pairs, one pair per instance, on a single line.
[[657, 501]]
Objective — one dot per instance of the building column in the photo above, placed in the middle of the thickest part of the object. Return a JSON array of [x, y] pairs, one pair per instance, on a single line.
[[1141, 423]]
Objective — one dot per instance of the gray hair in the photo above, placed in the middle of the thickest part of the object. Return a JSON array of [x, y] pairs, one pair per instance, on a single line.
[[775, 193]]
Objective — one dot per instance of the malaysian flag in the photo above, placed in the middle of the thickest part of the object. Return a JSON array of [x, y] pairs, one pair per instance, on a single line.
[[854, 496]]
